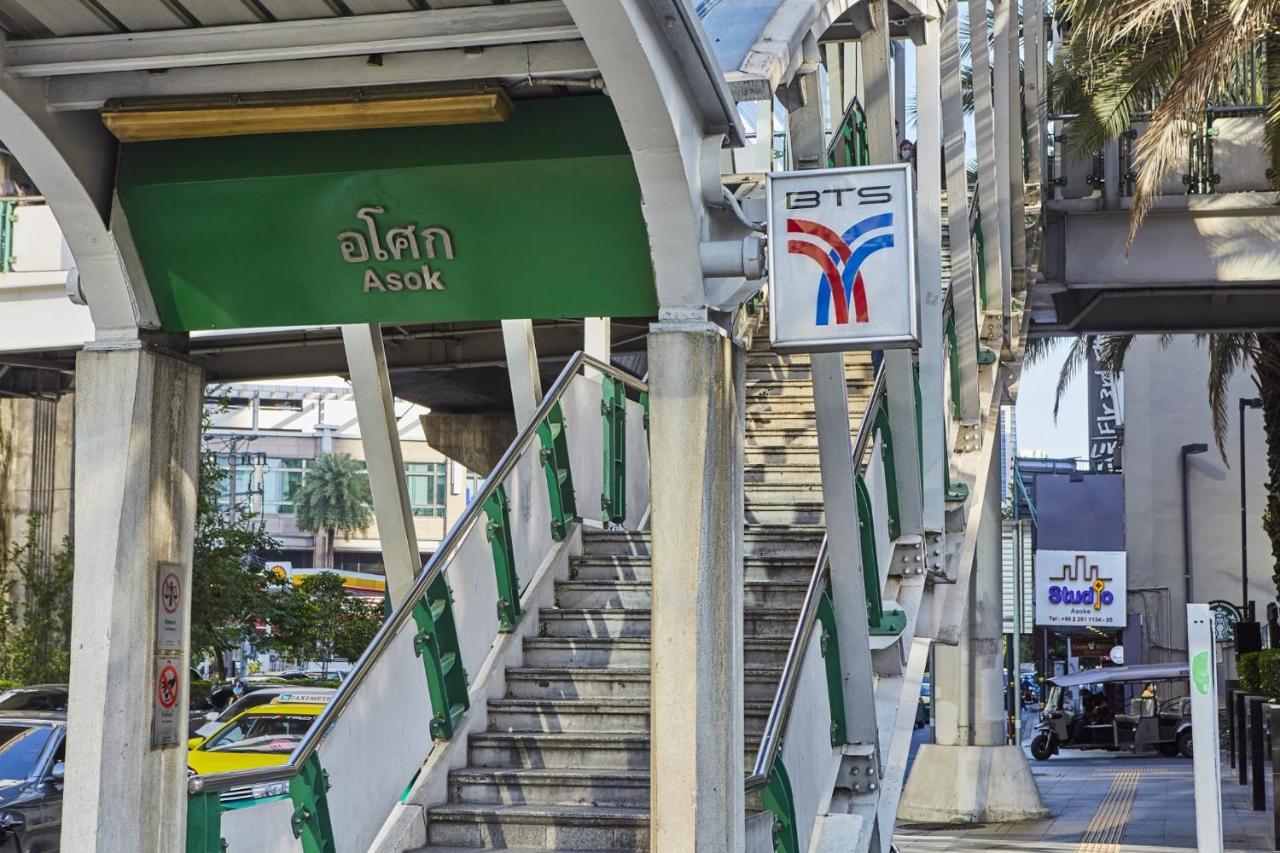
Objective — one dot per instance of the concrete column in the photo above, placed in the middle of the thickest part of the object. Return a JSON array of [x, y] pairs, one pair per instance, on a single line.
[[986, 619], [1017, 178], [380, 435], [522, 367], [597, 340], [952, 689], [1032, 85], [138, 416], [697, 378]]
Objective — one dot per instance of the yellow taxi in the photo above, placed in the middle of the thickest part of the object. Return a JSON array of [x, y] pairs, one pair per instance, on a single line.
[[261, 736]]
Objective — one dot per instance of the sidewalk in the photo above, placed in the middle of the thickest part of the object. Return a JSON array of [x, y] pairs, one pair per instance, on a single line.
[[1104, 802]]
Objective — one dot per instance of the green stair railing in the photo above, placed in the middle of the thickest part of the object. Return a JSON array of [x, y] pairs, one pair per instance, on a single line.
[[850, 143], [424, 625]]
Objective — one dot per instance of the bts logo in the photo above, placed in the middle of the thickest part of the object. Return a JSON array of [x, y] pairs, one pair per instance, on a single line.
[[840, 258]]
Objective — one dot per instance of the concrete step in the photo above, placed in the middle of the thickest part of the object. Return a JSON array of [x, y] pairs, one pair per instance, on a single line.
[[773, 474], [804, 513], [607, 542], [615, 683], [759, 540], [597, 716], [559, 750], [627, 568], [807, 491], [627, 595], [472, 825], [544, 787], [591, 652], [757, 622], [569, 716], [799, 388]]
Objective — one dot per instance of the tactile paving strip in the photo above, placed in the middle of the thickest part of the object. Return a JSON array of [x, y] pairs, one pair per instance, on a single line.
[[1107, 827]]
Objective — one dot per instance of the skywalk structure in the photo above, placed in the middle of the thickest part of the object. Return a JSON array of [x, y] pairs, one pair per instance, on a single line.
[[723, 651]]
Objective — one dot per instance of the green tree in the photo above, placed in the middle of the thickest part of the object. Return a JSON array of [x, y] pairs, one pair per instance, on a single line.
[[334, 498], [324, 621], [35, 638], [233, 591]]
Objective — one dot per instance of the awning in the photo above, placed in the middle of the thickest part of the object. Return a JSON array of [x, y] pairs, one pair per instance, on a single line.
[[1112, 674]]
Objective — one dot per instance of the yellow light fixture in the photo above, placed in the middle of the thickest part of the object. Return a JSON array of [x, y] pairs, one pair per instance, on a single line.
[[154, 122]]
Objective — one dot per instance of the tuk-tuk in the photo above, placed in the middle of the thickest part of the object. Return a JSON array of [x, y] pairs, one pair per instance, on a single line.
[[1161, 720]]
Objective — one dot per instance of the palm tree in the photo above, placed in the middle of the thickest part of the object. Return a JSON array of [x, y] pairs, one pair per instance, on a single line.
[[1177, 57], [334, 498]]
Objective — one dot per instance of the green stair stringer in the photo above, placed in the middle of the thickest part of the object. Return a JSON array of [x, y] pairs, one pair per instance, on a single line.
[[830, 647], [498, 532], [204, 823], [555, 462], [780, 801], [953, 344], [613, 410], [437, 644], [881, 622], [884, 438], [309, 791]]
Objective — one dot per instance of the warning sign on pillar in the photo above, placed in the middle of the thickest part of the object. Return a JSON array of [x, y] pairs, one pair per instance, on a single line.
[[166, 691], [170, 611]]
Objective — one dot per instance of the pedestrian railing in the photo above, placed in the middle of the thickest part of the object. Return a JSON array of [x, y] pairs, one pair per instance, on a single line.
[[410, 687]]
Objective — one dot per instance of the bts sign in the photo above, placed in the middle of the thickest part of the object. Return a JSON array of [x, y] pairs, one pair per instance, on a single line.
[[1081, 588], [842, 263]]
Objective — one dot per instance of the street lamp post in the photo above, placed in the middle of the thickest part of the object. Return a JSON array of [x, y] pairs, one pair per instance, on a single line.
[[1187, 450], [1246, 609]]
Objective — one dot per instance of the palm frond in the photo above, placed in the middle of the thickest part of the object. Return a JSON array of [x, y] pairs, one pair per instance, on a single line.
[[1112, 350], [1227, 354], [1077, 358]]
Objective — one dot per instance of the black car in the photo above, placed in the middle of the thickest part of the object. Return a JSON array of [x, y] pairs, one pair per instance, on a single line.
[[33, 747], [35, 697]]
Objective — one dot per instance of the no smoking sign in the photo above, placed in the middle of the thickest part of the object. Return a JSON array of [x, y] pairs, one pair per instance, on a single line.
[[167, 690], [168, 654]]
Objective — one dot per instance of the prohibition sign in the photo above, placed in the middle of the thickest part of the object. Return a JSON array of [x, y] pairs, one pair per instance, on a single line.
[[167, 686], [170, 592]]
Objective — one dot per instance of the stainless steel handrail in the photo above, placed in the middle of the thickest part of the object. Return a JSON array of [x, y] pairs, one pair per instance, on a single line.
[[435, 566], [784, 696]]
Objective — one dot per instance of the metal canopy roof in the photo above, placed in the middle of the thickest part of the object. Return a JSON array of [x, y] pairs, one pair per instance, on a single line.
[[760, 43], [1111, 674]]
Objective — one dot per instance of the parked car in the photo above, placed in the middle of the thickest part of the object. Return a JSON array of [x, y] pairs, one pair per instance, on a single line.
[[35, 697], [32, 754], [259, 737], [255, 695]]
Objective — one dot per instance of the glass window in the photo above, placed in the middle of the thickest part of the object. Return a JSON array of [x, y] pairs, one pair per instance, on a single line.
[[239, 470], [281, 480], [427, 486], [275, 733], [20, 749], [474, 482]]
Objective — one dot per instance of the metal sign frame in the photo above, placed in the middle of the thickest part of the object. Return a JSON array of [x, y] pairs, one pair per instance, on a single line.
[[909, 339]]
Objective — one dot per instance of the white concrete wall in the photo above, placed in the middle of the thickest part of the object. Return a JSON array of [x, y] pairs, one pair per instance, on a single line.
[[1166, 406]]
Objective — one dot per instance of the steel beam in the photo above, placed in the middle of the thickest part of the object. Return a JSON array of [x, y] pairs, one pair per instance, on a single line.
[[963, 292], [522, 367], [1003, 126], [357, 35], [984, 127], [505, 63]]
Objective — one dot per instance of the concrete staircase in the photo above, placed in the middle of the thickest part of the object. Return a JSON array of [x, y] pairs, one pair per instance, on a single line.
[[565, 763]]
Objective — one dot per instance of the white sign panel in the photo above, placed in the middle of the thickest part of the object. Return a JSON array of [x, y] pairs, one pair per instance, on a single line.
[[1081, 588], [166, 691], [842, 263], [170, 611], [1202, 662]]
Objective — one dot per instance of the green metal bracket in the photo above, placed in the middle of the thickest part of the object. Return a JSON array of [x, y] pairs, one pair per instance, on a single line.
[[309, 791], [986, 356], [498, 532], [953, 344], [613, 409], [8, 215], [555, 462], [958, 491], [204, 824], [835, 676], [644, 404], [884, 438], [778, 799], [881, 622], [915, 387], [437, 644]]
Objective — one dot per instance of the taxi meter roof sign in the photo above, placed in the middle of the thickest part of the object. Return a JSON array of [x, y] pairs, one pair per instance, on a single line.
[[842, 264]]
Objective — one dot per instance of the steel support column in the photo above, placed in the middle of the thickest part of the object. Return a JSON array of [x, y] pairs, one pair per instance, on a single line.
[[988, 180], [1002, 75]]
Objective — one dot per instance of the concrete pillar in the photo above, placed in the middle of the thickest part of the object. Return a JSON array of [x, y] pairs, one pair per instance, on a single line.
[[986, 619], [696, 402], [138, 416], [380, 435], [522, 367], [597, 339], [1003, 127], [972, 776], [1017, 178]]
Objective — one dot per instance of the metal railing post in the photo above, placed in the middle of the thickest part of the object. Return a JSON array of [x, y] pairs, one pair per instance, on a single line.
[[1274, 711], [1241, 756], [1231, 725], [1257, 744]]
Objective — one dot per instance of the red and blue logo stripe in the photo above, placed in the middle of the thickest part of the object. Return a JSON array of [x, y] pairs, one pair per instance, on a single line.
[[840, 258]]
